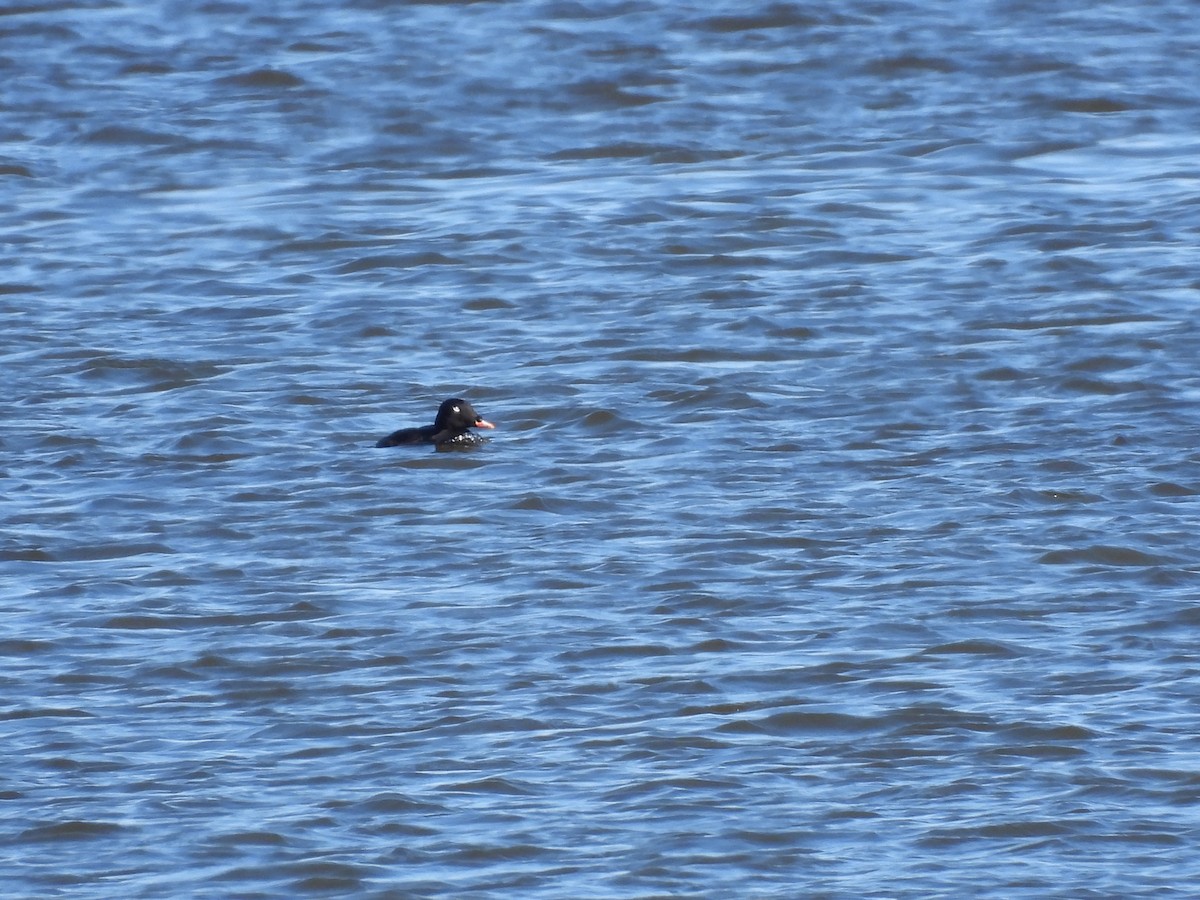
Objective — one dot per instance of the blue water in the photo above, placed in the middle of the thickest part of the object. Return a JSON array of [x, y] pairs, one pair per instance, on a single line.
[[837, 537]]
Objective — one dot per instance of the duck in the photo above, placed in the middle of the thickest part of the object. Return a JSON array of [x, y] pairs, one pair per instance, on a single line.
[[451, 427]]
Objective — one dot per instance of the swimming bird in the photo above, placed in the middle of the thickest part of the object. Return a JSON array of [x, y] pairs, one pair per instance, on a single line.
[[455, 419]]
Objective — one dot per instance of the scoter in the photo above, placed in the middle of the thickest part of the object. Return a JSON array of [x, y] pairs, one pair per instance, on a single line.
[[455, 419]]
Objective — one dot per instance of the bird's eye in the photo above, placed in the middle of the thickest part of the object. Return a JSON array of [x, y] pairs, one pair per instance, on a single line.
[[455, 408]]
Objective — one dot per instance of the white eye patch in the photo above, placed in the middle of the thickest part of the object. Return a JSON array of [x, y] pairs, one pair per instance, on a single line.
[[455, 408]]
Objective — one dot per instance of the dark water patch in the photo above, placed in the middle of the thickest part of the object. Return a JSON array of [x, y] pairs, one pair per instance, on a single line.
[[1102, 364], [1033, 734], [240, 839], [976, 647], [1096, 105], [908, 63], [1106, 387], [1104, 555], [602, 94], [102, 551], [150, 622], [122, 134], [1021, 829], [1053, 497], [45, 713], [1003, 373], [24, 646], [76, 830], [803, 723], [264, 78], [925, 719], [775, 15], [1052, 752], [1169, 489], [151, 373], [651, 153], [147, 68], [501, 786], [396, 261], [26, 554], [615, 652]]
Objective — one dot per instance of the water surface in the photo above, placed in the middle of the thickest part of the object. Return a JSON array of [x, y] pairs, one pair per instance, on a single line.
[[837, 538]]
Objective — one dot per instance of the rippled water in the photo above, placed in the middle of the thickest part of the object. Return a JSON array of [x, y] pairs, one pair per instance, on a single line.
[[838, 535]]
